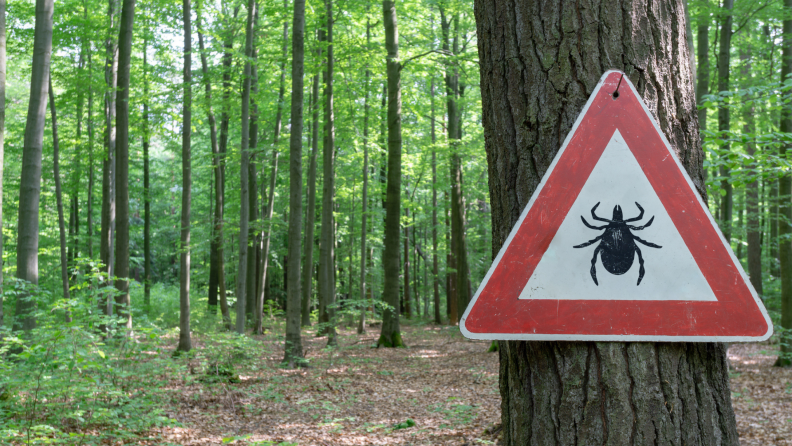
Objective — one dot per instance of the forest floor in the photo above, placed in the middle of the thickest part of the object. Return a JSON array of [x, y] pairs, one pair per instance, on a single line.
[[441, 390]]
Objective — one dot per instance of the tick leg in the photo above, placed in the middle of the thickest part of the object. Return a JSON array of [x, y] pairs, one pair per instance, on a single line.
[[594, 265], [638, 228], [590, 242], [641, 270], [640, 216], [649, 244], [590, 226], [594, 216]]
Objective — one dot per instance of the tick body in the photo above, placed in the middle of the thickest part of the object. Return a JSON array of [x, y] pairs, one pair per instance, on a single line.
[[617, 244]]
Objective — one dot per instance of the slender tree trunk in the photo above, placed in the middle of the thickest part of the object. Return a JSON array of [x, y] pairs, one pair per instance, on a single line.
[[146, 182], [244, 212], [784, 192], [89, 198], [435, 272], [406, 274], [2, 137], [310, 214], [59, 198], [451, 283], [753, 224], [327, 289], [274, 171], [293, 345], [106, 248], [724, 59], [213, 249], [251, 297], [185, 342], [30, 181], [391, 332], [122, 162], [361, 328], [74, 204], [587, 392], [703, 63]]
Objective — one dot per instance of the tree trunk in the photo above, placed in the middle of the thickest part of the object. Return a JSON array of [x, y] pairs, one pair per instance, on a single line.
[[59, 198], [310, 214], [327, 289], [435, 273], [265, 247], [753, 224], [251, 297], [451, 282], [89, 198], [147, 177], [244, 207], [185, 343], [218, 285], [293, 345], [213, 248], [2, 137], [406, 274], [703, 63], [106, 251], [30, 181], [391, 332], [586, 392], [122, 163], [724, 59], [361, 328], [784, 192]]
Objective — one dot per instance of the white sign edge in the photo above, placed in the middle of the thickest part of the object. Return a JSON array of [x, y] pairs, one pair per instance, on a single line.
[[617, 338]]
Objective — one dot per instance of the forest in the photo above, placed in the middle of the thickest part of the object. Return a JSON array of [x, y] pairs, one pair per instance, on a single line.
[[259, 222]]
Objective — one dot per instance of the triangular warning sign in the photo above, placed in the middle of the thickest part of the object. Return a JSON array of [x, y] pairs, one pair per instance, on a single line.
[[616, 245]]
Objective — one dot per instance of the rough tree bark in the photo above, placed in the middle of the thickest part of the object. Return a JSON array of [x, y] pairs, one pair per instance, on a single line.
[[59, 196], [785, 209], [293, 344], [244, 208], [122, 162], [724, 59], [185, 342], [534, 82], [30, 181], [390, 336], [327, 289], [702, 64]]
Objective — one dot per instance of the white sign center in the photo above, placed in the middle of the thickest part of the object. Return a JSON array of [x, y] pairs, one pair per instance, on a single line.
[[671, 273]]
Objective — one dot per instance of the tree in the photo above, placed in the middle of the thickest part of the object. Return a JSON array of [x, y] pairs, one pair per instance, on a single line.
[[244, 207], [107, 235], [59, 196], [293, 346], [122, 162], [310, 213], [30, 181], [185, 343], [585, 392], [724, 59], [390, 336], [361, 328], [785, 191], [435, 277], [147, 178], [327, 288], [2, 135]]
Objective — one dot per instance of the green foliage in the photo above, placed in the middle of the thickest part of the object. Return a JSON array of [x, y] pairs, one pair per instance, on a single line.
[[406, 424]]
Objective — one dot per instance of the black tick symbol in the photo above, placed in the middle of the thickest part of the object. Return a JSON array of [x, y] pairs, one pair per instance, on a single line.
[[617, 243]]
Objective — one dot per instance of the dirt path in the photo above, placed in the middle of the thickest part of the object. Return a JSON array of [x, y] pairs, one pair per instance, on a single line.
[[442, 390]]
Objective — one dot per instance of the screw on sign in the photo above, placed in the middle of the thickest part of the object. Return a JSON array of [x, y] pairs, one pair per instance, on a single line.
[[617, 243], [543, 285]]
